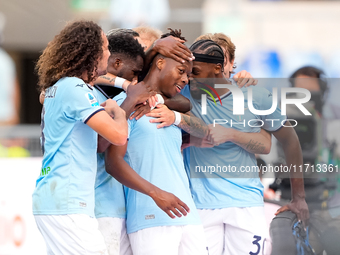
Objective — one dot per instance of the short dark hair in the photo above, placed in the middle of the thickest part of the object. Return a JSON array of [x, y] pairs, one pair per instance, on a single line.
[[125, 44], [312, 72], [208, 47], [122, 30]]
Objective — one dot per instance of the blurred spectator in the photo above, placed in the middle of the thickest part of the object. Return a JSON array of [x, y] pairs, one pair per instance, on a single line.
[[148, 35], [9, 87], [322, 191], [314, 80]]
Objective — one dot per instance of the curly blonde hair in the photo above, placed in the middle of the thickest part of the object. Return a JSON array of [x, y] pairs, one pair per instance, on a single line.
[[73, 52]]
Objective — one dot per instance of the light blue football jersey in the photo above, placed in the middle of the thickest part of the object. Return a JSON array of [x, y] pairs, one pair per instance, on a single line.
[[224, 184], [186, 91], [109, 193], [66, 181], [155, 154]]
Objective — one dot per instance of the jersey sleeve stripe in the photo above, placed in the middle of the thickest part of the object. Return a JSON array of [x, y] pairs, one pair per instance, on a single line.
[[93, 113]]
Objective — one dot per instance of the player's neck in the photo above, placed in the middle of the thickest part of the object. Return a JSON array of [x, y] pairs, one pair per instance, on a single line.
[[152, 81]]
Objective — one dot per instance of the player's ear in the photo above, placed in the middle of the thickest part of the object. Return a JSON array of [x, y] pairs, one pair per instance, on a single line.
[[160, 63], [117, 63], [217, 69]]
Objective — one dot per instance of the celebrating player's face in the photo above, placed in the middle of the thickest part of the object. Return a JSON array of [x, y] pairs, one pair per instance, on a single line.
[[131, 68], [202, 73], [174, 76], [102, 62]]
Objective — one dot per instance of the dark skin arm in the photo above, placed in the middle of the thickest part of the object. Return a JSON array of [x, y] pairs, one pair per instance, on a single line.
[[292, 150], [117, 167], [178, 103]]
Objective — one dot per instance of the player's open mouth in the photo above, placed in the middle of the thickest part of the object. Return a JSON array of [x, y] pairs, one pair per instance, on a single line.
[[179, 88]]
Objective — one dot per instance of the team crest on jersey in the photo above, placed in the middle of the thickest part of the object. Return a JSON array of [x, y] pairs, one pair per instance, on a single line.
[[92, 99]]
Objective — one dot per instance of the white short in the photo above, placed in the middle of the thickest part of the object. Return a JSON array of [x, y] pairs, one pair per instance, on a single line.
[[169, 240], [236, 230], [71, 234], [116, 238]]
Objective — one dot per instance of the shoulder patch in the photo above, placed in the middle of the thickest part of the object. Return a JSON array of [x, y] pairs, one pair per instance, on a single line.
[[92, 99]]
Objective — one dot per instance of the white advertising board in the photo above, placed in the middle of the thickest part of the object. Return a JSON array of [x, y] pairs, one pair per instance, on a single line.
[[19, 234]]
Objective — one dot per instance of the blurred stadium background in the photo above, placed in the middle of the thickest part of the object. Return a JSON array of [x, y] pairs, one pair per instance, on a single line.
[[273, 38]]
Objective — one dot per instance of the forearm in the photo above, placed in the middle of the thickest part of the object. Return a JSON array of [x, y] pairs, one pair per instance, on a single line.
[[128, 106], [103, 144], [178, 103], [293, 155], [255, 143], [194, 126], [119, 127], [109, 79]]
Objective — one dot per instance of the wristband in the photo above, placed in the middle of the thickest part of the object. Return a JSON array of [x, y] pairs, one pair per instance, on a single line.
[[119, 82], [178, 118], [160, 101]]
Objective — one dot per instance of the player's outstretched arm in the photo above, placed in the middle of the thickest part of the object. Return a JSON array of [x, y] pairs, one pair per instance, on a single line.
[[113, 130], [259, 143], [122, 172], [110, 80], [292, 150], [178, 103], [188, 122]]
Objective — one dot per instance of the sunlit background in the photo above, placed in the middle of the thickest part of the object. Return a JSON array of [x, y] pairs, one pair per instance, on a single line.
[[272, 38]]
